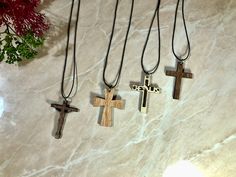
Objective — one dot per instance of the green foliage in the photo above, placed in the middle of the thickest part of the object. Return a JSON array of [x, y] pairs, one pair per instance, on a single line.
[[15, 49]]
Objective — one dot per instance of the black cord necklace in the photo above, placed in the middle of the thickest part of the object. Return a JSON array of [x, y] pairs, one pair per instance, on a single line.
[[186, 33], [65, 107], [117, 78], [156, 14], [109, 101], [146, 86], [180, 72]]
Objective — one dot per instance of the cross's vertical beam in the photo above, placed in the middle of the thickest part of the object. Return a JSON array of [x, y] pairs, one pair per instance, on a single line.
[[60, 124], [146, 83], [178, 80]]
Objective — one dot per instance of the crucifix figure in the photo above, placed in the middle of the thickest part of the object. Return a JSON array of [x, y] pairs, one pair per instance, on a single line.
[[145, 89], [63, 109], [179, 74], [108, 103]]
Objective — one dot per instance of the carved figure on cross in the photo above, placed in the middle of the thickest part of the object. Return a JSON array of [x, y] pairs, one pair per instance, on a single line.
[[63, 109]]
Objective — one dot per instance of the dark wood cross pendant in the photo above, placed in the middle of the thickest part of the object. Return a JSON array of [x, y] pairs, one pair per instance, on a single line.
[[108, 103], [179, 74], [63, 109], [145, 89]]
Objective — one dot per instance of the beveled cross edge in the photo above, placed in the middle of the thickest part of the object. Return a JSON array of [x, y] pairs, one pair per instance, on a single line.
[[108, 103]]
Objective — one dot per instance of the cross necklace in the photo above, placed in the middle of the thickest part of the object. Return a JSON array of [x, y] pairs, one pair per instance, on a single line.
[[65, 107], [145, 88], [110, 101], [180, 72]]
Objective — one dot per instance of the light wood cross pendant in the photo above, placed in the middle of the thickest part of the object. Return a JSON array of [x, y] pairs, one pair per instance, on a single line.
[[63, 109], [179, 74], [108, 103], [145, 89]]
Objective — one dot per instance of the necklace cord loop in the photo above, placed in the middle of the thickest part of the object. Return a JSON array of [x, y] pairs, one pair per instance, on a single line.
[[156, 13], [74, 67], [117, 78], [188, 49]]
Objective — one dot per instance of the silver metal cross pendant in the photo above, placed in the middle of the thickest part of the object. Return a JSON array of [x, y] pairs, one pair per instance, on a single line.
[[145, 89]]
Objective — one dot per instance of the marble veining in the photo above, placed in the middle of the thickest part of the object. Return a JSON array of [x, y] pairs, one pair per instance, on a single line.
[[195, 136]]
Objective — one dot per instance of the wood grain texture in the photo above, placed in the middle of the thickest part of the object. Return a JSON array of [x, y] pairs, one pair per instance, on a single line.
[[108, 103], [178, 74]]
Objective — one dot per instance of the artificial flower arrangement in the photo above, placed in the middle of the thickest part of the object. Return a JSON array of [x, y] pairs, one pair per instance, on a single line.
[[22, 30]]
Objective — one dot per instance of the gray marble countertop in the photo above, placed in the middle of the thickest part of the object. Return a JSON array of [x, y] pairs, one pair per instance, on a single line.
[[191, 137]]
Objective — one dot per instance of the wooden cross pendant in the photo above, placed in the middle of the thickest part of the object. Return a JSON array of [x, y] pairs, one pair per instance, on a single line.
[[63, 109], [145, 89], [179, 74], [108, 103]]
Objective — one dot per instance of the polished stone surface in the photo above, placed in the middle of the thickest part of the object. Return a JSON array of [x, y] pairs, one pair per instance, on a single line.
[[195, 136]]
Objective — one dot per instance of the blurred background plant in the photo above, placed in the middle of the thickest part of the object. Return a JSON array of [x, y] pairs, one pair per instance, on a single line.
[[22, 30]]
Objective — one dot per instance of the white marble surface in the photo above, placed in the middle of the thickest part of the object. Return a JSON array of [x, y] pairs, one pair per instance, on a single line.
[[195, 136]]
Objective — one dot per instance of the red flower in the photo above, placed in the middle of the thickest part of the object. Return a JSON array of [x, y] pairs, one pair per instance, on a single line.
[[22, 15]]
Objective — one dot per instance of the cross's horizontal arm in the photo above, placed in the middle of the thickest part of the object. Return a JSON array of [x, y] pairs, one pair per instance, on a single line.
[[98, 102], [171, 73], [71, 109], [120, 104], [153, 89], [188, 75], [66, 108], [137, 88], [57, 106]]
